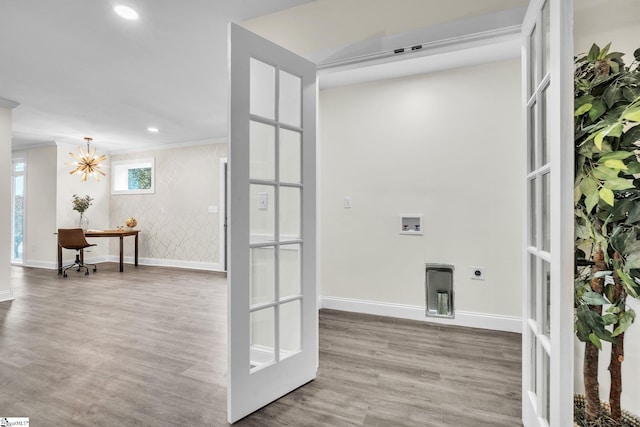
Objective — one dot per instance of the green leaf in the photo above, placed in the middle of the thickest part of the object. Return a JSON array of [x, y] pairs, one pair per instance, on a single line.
[[625, 320], [633, 115], [634, 213], [607, 195], [615, 155], [612, 95], [577, 194], [597, 140], [594, 298], [619, 184], [591, 200], [615, 164], [593, 52], [633, 167], [582, 109], [588, 186], [610, 319], [628, 283], [604, 173], [595, 340], [598, 108]]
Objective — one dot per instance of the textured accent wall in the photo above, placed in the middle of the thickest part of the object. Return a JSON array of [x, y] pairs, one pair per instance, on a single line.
[[174, 222]]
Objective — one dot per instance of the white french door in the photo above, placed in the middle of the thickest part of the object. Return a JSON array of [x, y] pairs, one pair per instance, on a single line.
[[273, 317], [547, 338]]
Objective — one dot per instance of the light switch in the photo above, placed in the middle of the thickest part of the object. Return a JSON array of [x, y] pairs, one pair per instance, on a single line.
[[347, 202], [212, 209], [263, 201]]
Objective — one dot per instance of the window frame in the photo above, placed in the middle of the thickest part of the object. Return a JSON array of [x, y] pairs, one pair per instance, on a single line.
[[121, 167]]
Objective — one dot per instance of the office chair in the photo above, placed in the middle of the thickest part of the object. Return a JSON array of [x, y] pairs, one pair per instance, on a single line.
[[73, 238]]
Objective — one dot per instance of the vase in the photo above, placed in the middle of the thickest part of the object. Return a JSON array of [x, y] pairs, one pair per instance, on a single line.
[[83, 222]]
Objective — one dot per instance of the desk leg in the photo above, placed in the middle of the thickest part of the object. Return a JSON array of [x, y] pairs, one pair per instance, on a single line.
[[59, 259], [136, 245], [121, 254]]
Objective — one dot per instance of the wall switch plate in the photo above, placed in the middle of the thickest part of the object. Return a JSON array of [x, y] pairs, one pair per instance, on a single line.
[[212, 209], [477, 273], [347, 202], [263, 201]]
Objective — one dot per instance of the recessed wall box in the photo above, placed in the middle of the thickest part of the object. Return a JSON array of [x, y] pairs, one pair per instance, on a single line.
[[411, 224]]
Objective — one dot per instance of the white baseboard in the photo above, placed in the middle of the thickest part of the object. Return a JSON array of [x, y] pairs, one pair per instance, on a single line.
[[53, 265], [6, 296], [193, 265], [413, 312]]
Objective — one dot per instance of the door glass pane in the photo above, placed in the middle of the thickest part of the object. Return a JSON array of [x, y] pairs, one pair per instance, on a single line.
[[290, 156], [263, 271], [18, 212], [532, 137], [534, 352], [289, 270], [262, 151], [533, 60], [546, 391], [533, 285], [290, 322], [290, 99], [546, 218], [262, 88], [262, 350], [544, 129], [261, 213], [289, 213], [546, 38], [532, 212], [546, 298]]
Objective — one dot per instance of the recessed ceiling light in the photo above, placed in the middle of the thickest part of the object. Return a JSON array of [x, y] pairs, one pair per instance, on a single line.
[[126, 12], [153, 130]]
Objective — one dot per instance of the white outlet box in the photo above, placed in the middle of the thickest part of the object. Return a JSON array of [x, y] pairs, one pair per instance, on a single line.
[[263, 201], [347, 202], [477, 273]]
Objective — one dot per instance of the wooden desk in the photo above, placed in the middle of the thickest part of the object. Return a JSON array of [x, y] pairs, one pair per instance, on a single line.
[[107, 233]]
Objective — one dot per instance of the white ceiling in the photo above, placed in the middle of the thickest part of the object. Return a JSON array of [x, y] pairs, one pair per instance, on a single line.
[[77, 69]]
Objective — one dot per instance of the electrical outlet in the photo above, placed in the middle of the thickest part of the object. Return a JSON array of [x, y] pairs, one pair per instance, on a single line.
[[477, 273], [347, 202]]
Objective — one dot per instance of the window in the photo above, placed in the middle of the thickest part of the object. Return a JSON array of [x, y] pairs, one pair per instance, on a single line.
[[133, 176], [17, 207]]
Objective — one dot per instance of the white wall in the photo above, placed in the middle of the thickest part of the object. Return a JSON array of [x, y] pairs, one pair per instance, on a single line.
[[67, 185], [621, 27], [176, 227], [39, 245], [5, 198], [446, 145]]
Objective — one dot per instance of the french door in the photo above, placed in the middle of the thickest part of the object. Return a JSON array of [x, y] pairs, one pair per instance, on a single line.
[[547, 338], [273, 317]]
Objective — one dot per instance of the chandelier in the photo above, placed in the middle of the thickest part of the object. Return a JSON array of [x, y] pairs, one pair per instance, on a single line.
[[87, 164]]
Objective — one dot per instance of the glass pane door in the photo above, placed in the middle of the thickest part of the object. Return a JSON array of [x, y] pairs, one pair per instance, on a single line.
[[547, 338], [17, 213], [272, 295]]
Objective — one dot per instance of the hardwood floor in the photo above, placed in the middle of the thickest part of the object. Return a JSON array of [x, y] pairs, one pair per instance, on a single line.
[[147, 347]]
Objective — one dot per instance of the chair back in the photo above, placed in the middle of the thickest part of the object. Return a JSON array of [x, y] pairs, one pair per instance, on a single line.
[[72, 238]]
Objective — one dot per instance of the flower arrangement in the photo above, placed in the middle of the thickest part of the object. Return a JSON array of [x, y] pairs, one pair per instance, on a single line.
[[81, 204]]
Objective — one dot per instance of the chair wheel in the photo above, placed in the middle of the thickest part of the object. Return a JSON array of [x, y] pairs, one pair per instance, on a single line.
[[78, 269], [64, 274], [95, 269], [87, 273]]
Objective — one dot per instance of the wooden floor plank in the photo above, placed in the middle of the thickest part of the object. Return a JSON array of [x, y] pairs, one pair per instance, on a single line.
[[147, 347]]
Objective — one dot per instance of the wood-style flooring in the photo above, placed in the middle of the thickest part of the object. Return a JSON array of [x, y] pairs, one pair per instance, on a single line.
[[147, 347]]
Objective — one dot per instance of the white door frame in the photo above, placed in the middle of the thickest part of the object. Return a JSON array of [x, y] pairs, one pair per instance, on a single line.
[[549, 384]]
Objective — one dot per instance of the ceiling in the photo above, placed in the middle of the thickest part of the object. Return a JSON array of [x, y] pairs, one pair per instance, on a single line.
[[77, 69]]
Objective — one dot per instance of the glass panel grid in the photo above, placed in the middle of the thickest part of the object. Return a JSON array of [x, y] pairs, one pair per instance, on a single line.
[[262, 83]]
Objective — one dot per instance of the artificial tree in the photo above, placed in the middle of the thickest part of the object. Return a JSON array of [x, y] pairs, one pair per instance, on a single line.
[[607, 212]]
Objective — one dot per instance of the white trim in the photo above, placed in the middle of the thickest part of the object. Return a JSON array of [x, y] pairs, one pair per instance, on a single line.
[[208, 141], [6, 296], [470, 319], [159, 262]]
